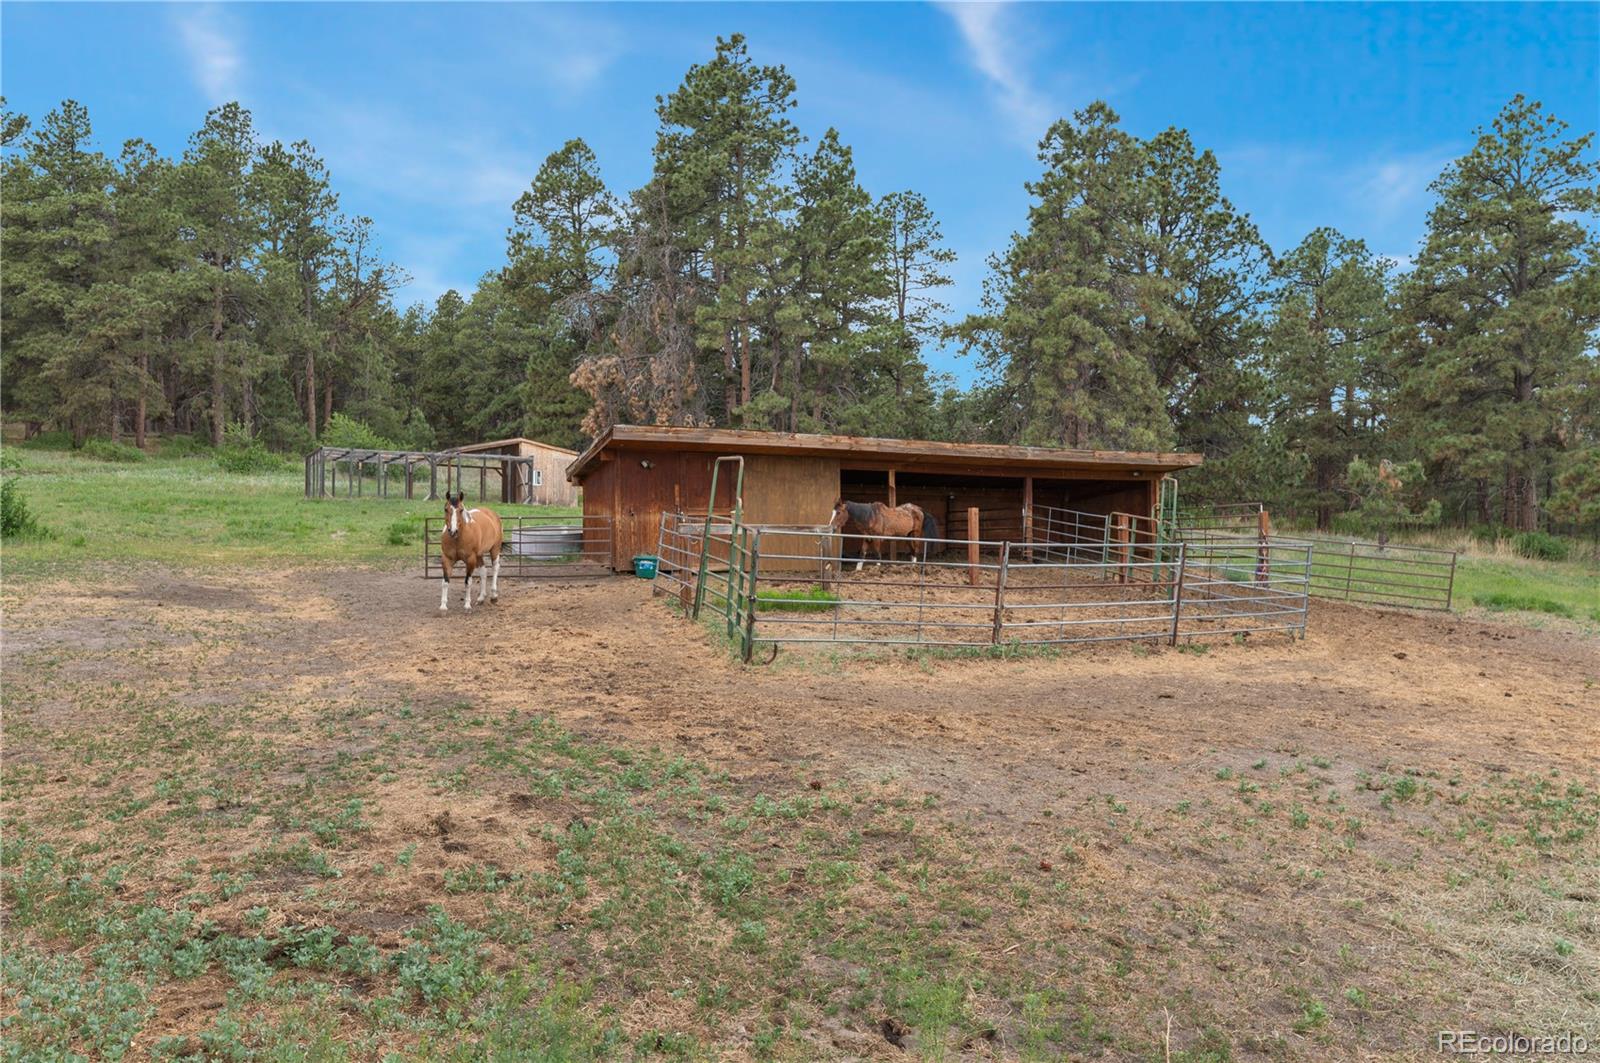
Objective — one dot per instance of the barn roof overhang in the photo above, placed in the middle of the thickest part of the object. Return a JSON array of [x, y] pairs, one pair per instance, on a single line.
[[865, 449], [496, 444]]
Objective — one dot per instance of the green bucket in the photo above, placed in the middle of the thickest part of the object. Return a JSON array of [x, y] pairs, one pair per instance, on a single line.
[[644, 566]]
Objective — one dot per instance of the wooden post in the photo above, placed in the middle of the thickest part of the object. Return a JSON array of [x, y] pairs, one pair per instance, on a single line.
[[972, 545], [1000, 593], [1264, 549], [1177, 591], [1027, 515], [893, 502], [1122, 547]]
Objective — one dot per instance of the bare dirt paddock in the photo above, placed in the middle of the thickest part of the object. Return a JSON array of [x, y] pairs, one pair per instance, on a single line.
[[299, 811]]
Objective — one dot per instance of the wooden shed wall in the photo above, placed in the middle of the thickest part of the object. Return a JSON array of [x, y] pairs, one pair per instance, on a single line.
[[552, 465], [634, 485]]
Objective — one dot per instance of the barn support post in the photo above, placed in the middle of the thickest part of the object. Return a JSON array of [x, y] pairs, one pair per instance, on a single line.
[[1027, 515], [1000, 593], [894, 501], [433, 480], [972, 545]]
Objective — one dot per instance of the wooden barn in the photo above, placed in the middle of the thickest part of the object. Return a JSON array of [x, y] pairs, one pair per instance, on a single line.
[[541, 482], [631, 475]]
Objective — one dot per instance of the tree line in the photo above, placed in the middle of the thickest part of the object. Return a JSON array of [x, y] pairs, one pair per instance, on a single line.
[[754, 282]]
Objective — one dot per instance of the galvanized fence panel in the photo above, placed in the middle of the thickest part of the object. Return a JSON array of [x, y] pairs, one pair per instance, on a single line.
[[793, 586], [537, 547], [1119, 599], [1363, 572], [803, 591], [1243, 586], [1353, 570]]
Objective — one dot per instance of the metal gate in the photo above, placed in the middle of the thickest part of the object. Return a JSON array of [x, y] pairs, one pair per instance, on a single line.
[[538, 547]]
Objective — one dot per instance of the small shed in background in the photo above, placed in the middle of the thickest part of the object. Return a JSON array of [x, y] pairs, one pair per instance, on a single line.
[[547, 471], [631, 475]]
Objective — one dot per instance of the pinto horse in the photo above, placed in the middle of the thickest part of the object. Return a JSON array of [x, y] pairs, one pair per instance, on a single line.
[[878, 522], [472, 536]]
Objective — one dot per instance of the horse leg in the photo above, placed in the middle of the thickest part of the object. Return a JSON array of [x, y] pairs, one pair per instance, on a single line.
[[494, 588], [468, 599], [483, 582], [444, 588]]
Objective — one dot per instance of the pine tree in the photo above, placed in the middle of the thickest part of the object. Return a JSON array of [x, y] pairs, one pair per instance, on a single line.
[[1500, 312], [223, 223], [559, 271], [57, 222], [1325, 357], [719, 157], [1057, 329], [299, 214]]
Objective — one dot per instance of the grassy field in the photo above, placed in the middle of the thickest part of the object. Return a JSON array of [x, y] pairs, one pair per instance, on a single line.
[[1532, 589], [188, 511], [244, 820]]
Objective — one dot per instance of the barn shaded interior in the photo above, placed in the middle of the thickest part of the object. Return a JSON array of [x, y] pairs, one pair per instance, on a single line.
[[634, 475]]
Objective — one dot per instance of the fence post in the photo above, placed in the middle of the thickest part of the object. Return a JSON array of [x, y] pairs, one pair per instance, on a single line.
[[972, 545], [1305, 600], [750, 599], [1000, 591], [1264, 551], [1123, 554], [1350, 570], [735, 587], [1450, 588], [661, 553], [1177, 590]]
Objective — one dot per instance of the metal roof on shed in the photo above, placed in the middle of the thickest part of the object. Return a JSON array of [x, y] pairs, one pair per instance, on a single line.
[[739, 441]]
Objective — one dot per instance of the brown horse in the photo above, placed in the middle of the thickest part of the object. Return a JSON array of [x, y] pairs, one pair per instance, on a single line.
[[472, 536], [878, 522]]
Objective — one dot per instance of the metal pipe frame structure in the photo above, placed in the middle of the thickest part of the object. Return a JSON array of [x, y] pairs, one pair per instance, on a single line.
[[322, 468]]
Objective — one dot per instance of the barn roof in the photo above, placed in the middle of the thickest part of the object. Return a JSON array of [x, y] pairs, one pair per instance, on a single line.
[[496, 444], [921, 451]]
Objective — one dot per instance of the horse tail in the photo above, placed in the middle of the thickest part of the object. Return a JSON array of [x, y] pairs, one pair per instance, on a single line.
[[930, 530]]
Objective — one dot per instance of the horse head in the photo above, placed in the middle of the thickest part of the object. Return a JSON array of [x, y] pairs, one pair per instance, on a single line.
[[841, 515], [455, 512]]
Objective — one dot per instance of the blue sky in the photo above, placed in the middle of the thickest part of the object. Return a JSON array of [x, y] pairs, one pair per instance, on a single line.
[[433, 117]]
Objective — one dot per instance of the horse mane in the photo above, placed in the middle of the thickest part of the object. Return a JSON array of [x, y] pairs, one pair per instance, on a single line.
[[860, 512]]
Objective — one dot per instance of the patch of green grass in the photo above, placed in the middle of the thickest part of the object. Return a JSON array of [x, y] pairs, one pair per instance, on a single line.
[[1568, 589], [1527, 603], [188, 510], [807, 599]]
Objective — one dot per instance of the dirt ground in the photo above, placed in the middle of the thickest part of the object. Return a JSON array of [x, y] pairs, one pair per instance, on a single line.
[[1101, 759]]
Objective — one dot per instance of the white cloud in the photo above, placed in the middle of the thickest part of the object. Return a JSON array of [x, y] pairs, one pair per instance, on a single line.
[[568, 51], [996, 49], [1398, 184], [214, 57]]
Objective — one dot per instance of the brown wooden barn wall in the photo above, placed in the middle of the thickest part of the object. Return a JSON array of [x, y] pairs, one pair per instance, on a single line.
[[636, 485]]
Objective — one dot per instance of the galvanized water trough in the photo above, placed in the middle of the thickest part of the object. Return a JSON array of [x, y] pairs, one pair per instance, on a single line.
[[548, 541]]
